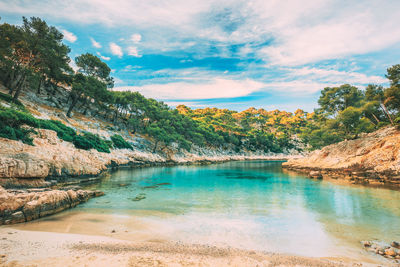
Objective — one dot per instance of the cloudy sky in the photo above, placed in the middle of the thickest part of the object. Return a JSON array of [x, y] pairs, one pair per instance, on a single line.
[[231, 54]]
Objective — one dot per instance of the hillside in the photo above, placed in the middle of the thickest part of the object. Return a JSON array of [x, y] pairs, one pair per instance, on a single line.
[[373, 158], [51, 156]]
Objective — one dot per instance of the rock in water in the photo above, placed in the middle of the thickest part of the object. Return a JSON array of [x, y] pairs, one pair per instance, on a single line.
[[22, 206], [395, 244], [139, 197]]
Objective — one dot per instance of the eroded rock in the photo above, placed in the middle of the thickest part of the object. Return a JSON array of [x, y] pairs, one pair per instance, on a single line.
[[371, 159], [18, 206]]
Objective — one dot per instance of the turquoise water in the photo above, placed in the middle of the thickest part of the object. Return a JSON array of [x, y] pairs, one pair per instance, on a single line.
[[251, 205]]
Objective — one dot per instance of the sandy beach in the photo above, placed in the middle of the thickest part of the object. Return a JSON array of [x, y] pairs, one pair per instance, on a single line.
[[34, 248]]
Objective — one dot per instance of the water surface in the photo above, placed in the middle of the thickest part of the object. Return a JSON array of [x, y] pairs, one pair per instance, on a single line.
[[250, 205]]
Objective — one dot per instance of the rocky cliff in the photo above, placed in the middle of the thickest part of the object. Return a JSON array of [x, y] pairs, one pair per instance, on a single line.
[[51, 160], [371, 159]]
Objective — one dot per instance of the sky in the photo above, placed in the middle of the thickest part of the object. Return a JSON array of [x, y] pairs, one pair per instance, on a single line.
[[269, 54]]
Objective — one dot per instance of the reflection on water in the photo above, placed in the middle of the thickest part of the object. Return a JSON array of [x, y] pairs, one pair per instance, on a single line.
[[251, 205]]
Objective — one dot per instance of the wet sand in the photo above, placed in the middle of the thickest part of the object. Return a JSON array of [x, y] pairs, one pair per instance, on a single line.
[[34, 248], [75, 238]]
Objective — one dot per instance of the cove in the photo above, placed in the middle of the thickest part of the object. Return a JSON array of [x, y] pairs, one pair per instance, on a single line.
[[243, 204]]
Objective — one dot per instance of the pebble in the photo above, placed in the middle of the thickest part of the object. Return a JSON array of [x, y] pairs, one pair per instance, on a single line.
[[366, 243], [395, 244], [390, 252]]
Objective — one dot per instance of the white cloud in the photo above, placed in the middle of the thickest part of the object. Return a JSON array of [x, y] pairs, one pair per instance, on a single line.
[[216, 88], [335, 76], [94, 43], [317, 30], [301, 31], [133, 51], [116, 50], [73, 65], [136, 38], [69, 36], [298, 87], [103, 57]]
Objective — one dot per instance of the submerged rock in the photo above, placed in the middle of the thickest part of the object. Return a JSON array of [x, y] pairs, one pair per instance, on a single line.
[[139, 197]]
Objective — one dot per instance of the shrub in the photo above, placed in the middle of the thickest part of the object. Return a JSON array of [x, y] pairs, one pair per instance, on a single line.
[[119, 142], [63, 132], [88, 141], [10, 125], [10, 99], [81, 142]]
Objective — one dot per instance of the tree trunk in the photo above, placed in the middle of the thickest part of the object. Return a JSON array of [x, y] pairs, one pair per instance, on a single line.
[[38, 88], [387, 113], [85, 110], [19, 88], [14, 83], [73, 103], [377, 120]]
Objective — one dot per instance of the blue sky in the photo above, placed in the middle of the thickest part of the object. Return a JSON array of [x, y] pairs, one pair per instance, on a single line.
[[236, 54]]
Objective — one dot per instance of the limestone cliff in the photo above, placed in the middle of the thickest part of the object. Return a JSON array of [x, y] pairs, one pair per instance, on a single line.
[[372, 159], [23, 165]]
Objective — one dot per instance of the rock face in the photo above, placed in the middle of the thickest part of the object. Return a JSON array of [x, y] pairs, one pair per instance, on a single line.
[[52, 157], [18, 206], [24, 166], [371, 159]]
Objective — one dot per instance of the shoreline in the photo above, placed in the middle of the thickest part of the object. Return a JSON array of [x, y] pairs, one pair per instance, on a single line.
[[107, 249], [21, 248]]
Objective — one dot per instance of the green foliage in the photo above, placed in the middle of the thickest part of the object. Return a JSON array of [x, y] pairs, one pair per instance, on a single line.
[[33, 54], [63, 132], [336, 99], [11, 121], [9, 99], [120, 142], [91, 141], [33, 49]]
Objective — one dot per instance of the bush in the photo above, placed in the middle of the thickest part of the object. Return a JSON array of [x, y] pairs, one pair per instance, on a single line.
[[16, 134], [10, 125], [88, 141], [10, 100], [83, 143], [63, 132], [119, 142]]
